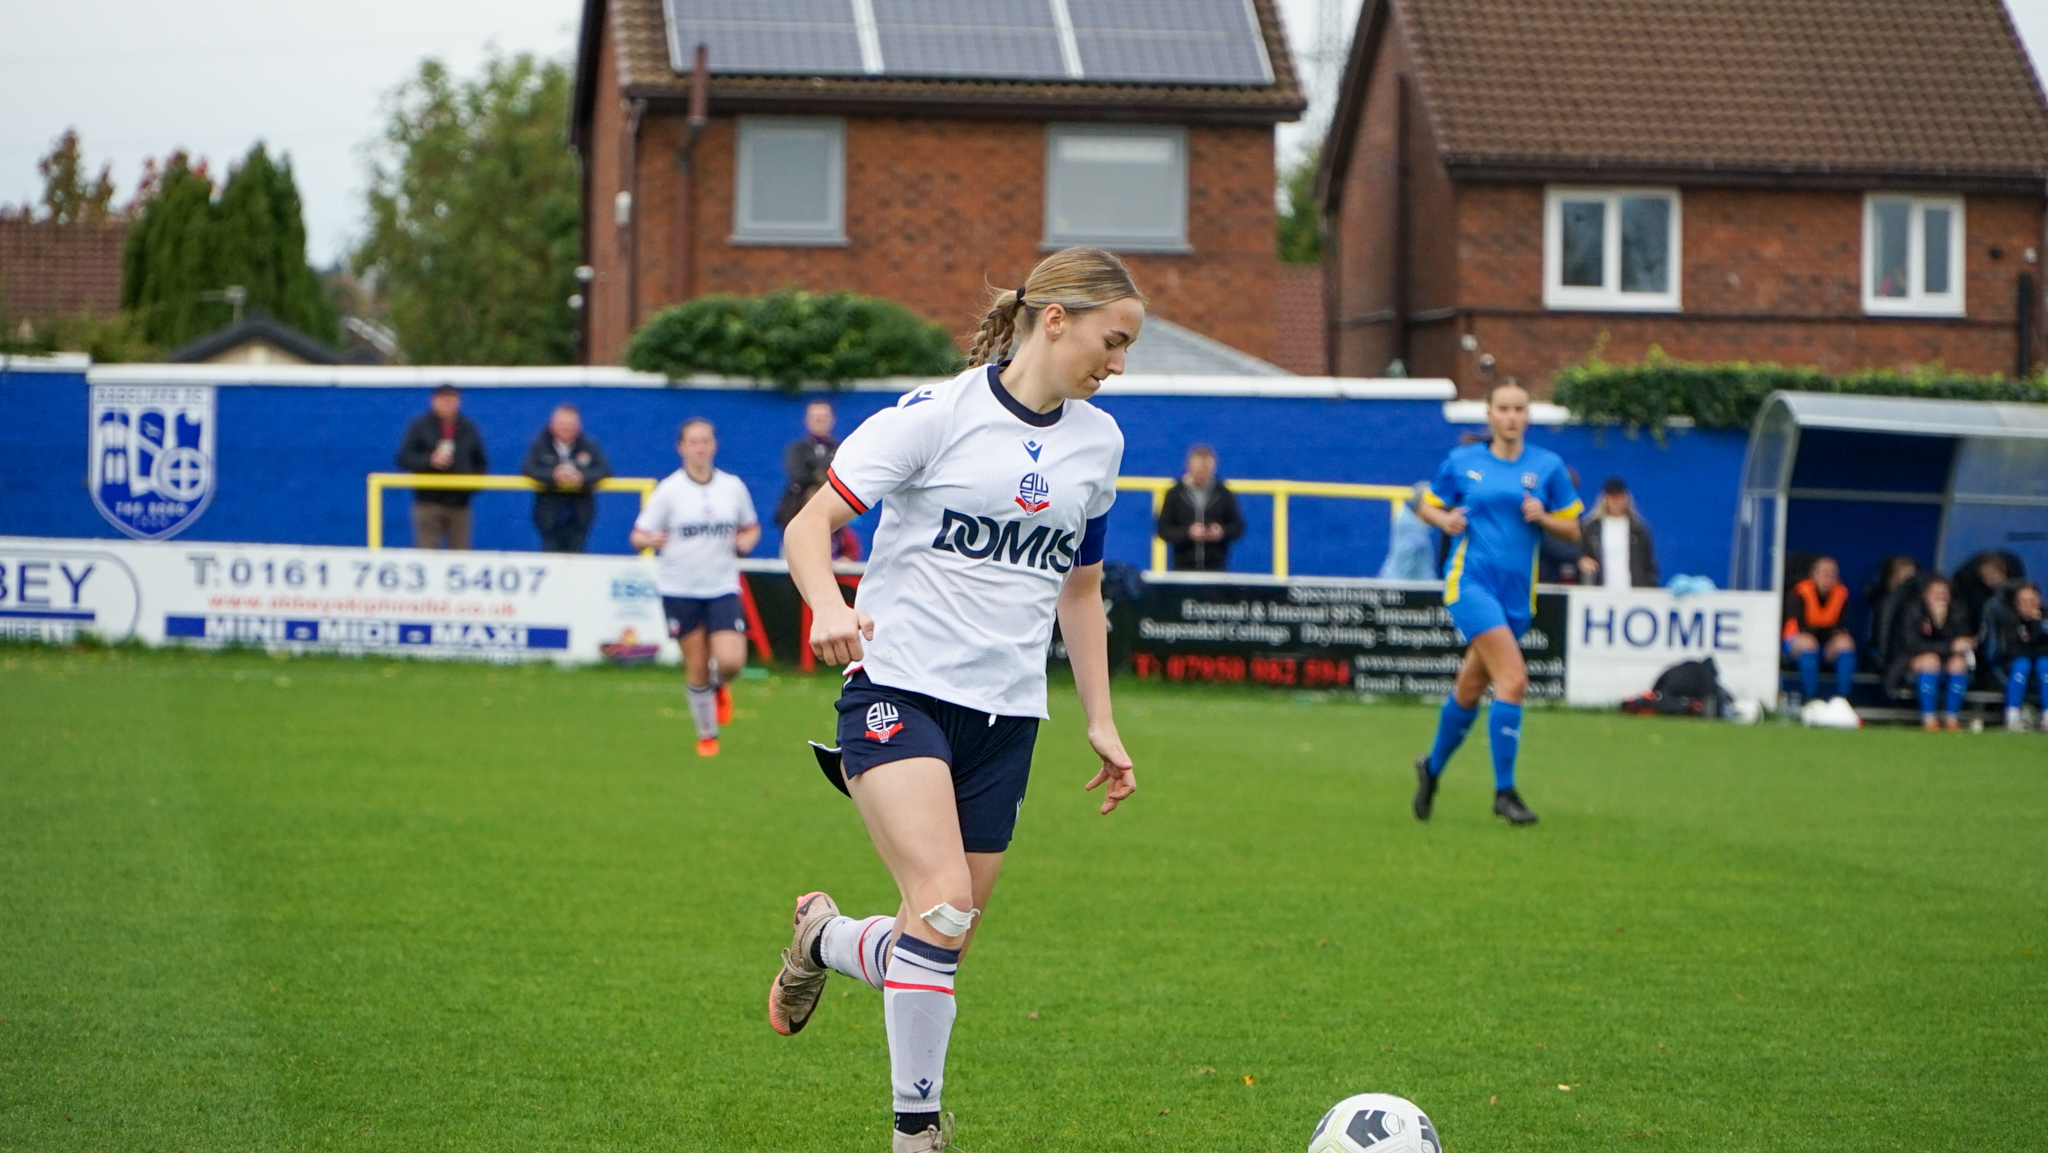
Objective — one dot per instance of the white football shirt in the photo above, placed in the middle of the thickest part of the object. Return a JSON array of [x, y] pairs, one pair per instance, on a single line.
[[985, 507], [701, 521]]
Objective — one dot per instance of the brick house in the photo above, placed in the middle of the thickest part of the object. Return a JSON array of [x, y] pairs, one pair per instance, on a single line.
[[848, 146], [1511, 184], [50, 271]]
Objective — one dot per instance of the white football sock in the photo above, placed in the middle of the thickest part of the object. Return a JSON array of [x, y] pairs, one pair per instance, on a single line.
[[857, 948], [917, 1007], [703, 710]]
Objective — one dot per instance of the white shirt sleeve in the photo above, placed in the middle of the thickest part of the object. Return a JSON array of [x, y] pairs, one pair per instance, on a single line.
[[889, 451], [654, 514], [1101, 504], [745, 504]]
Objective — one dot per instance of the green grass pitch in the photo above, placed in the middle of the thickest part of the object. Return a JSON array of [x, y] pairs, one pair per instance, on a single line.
[[260, 904]]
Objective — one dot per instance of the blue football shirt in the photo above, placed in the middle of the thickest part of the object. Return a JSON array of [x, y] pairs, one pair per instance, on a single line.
[[1498, 549]]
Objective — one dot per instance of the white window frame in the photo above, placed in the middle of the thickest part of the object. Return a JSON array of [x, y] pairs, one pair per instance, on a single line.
[[1175, 241], [1916, 302], [1608, 297], [746, 230]]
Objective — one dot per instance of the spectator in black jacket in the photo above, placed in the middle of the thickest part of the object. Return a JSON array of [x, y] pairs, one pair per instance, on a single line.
[[1200, 516], [2023, 654], [1616, 548], [1934, 641], [570, 464], [1896, 585], [1980, 580], [805, 461], [442, 442]]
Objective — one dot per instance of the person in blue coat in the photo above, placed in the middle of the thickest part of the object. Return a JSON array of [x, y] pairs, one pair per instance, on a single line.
[[1495, 499]]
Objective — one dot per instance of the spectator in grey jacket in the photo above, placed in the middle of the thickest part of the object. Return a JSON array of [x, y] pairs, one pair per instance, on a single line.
[[1200, 516], [569, 464], [1615, 544]]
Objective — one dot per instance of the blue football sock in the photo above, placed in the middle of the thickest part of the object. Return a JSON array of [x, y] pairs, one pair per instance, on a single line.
[[2041, 671], [2016, 682], [1451, 726], [1957, 684], [1845, 673], [1809, 675], [1504, 725], [1929, 687]]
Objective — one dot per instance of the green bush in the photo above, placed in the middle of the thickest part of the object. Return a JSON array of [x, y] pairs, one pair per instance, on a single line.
[[793, 338], [1728, 395]]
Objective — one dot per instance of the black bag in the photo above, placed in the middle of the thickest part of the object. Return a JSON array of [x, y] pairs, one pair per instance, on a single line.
[[1686, 689]]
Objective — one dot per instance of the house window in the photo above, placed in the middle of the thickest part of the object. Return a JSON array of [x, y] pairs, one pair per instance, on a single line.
[[1913, 255], [1611, 248], [1118, 187], [792, 181]]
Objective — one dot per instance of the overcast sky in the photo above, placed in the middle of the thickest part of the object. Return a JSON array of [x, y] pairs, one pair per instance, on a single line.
[[141, 78]]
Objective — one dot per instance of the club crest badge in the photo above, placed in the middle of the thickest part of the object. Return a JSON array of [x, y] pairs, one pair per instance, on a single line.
[[1529, 481], [882, 722], [1032, 492], [150, 456]]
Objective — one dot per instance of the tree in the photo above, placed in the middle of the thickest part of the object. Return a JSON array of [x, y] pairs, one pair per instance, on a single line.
[[68, 198], [474, 215], [793, 338], [1301, 222], [259, 242], [185, 245]]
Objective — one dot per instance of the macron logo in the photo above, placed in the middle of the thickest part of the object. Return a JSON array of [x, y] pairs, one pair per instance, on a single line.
[[1475, 474], [918, 397], [1034, 448]]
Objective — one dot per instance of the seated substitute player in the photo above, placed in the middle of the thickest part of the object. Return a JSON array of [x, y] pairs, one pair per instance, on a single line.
[[1495, 499], [995, 490], [702, 521], [2023, 655], [1814, 628], [1934, 640]]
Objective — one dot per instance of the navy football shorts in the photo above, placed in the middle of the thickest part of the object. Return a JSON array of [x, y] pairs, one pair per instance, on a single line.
[[990, 755], [719, 614], [1477, 609]]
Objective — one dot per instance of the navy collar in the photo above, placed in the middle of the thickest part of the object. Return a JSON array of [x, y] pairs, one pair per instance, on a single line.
[[1017, 409]]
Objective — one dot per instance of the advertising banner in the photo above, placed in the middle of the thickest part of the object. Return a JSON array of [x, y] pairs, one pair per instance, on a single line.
[[1622, 638], [500, 606], [1382, 638]]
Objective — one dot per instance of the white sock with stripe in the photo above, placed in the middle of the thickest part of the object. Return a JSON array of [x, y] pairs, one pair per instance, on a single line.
[[917, 1007], [856, 947], [703, 710]]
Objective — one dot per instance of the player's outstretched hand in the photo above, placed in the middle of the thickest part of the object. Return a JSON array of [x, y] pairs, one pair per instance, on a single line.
[[836, 636], [1116, 769], [1532, 509]]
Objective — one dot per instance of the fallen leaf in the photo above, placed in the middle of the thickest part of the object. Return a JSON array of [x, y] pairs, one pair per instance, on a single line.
[[1493, 1100], [1564, 1088], [1033, 1015], [1248, 1078], [1740, 997]]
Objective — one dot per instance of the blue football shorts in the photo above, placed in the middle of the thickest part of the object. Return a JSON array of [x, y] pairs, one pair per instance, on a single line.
[[1478, 609], [719, 614], [990, 755]]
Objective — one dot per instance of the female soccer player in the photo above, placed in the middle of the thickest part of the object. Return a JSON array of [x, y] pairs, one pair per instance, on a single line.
[[1494, 499], [1934, 640], [2023, 652], [996, 488], [702, 521]]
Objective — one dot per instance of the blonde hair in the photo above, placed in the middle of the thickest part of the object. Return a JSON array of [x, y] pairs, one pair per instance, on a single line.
[[1076, 279]]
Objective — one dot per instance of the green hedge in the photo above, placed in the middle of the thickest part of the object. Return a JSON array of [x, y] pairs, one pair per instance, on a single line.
[[793, 338], [1728, 395]]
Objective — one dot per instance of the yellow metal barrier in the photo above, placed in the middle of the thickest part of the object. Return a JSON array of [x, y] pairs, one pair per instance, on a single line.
[[379, 481], [1395, 495]]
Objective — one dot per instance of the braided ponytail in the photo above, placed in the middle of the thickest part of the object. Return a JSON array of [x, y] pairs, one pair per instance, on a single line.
[[1076, 279]]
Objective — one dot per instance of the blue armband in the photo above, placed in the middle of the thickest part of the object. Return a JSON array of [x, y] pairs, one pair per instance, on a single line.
[[1092, 540]]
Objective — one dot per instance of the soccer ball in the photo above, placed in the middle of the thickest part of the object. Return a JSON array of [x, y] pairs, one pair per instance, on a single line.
[[1374, 1123]]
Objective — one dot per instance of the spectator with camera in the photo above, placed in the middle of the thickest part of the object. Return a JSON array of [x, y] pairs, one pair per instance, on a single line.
[[1200, 517], [1934, 648], [2022, 655], [805, 461], [1815, 628], [442, 442], [1617, 550]]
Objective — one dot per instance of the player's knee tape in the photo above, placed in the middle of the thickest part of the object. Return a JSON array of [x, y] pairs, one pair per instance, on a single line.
[[949, 921]]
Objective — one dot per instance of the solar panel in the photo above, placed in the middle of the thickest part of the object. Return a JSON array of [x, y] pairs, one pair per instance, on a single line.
[[1170, 41], [997, 39], [752, 37]]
